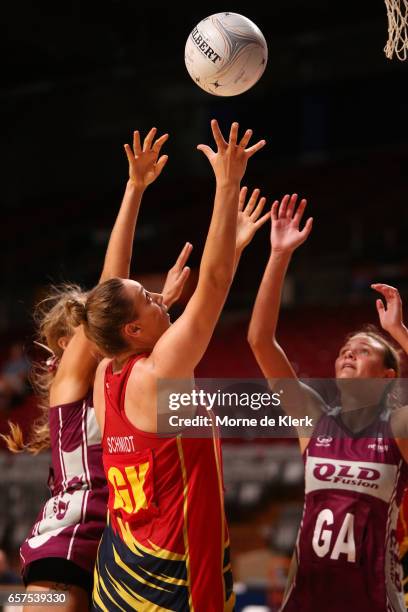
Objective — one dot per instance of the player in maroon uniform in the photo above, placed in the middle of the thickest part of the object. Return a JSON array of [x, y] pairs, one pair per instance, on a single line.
[[60, 551], [166, 543], [392, 322], [355, 460]]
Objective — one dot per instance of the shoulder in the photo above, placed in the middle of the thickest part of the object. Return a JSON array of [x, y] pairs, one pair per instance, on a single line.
[[142, 373], [399, 415], [399, 429], [101, 369], [99, 393], [399, 422], [103, 364]]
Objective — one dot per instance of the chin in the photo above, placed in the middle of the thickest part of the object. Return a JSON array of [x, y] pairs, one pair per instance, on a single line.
[[163, 328], [348, 373], [166, 322]]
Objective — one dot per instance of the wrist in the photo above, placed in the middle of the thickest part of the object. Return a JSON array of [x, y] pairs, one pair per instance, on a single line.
[[398, 332], [281, 255], [135, 186], [227, 183]]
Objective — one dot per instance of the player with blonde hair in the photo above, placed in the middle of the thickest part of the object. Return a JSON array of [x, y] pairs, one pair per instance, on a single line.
[[60, 551]]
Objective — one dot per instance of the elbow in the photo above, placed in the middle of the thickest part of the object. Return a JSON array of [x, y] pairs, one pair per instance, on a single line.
[[259, 341], [255, 337], [256, 345]]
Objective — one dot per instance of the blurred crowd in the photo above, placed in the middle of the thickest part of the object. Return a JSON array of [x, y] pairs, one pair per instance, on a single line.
[[14, 378]]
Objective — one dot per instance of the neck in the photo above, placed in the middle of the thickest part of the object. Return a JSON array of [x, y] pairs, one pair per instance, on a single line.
[[359, 409], [118, 361], [361, 393], [359, 418]]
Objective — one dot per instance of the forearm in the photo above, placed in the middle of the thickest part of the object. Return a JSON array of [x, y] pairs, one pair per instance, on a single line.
[[237, 258], [267, 304], [217, 262], [400, 335], [119, 251]]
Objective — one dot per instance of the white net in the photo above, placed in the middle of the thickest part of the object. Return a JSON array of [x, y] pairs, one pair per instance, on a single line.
[[397, 13]]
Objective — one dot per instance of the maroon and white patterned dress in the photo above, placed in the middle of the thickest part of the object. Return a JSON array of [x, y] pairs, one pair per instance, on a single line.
[[71, 522], [347, 554]]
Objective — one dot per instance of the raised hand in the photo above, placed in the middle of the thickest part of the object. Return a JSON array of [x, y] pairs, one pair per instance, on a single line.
[[285, 233], [177, 276], [249, 220], [230, 160], [390, 314], [144, 163]]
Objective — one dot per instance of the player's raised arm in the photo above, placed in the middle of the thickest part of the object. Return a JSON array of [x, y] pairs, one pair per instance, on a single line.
[[286, 237], [145, 166], [177, 277], [390, 314], [249, 220], [188, 338], [78, 362]]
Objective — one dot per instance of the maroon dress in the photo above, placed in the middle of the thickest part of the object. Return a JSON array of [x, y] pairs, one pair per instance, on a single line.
[[347, 555], [71, 522]]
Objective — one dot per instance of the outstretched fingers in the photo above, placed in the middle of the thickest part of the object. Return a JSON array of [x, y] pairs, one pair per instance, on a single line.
[[245, 139], [149, 139], [185, 273], [161, 162], [255, 214], [159, 143], [291, 206], [262, 220], [256, 147], [218, 137], [300, 210], [275, 210], [242, 198], [283, 207], [208, 152], [252, 201], [184, 255], [307, 229], [233, 136], [137, 147], [129, 153]]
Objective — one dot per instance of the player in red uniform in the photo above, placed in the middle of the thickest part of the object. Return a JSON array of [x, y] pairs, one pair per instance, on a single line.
[[355, 461], [166, 544], [60, 551]]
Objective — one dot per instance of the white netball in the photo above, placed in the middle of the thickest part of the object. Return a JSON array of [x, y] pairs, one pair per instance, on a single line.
[[226, 54]]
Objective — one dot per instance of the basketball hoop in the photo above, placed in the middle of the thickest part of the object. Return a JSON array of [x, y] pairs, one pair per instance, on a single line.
[[397, 13]]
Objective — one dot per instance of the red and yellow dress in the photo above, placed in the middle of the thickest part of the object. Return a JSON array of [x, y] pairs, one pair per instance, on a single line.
[[165, 546]]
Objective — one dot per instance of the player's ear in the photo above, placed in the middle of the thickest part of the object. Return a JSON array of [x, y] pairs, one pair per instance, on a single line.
[[63, 342], [131, 329]]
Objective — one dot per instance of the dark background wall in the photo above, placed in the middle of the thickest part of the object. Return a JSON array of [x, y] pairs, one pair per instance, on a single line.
[[78, 78]]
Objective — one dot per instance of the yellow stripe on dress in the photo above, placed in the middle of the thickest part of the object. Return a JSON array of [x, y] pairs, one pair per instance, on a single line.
[[134, 599], [134, 575], [168, 579], [138, 549], [96, 596], [109, 595]]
